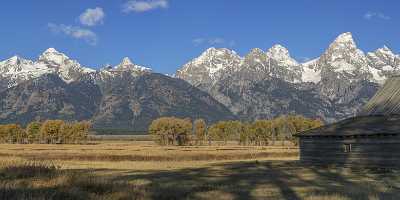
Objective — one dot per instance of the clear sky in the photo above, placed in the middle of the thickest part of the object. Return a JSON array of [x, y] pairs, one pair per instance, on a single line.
[[164, 34]]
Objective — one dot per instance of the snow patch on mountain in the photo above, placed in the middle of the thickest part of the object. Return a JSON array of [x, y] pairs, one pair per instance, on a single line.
[[310, 72], [16, 69]]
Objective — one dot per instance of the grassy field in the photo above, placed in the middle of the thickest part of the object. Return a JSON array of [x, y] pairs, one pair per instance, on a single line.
[[142, 170]]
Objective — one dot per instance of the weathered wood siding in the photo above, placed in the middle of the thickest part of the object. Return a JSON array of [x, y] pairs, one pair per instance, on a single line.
[[377, 151]]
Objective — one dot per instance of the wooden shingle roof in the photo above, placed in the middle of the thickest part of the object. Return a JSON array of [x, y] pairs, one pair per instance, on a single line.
[[362, 125], [386, 101]]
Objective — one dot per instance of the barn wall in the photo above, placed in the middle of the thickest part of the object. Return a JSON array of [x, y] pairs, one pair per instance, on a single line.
[[377, 151]]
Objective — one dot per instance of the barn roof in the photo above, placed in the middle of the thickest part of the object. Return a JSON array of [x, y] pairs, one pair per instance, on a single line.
[[362, 125], [386, 101]]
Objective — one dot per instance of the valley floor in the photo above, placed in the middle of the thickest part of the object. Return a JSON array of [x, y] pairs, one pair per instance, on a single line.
[[142, 170]]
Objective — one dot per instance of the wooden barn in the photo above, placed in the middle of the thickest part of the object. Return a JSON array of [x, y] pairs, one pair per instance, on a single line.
[[365, 141], [370, 140]]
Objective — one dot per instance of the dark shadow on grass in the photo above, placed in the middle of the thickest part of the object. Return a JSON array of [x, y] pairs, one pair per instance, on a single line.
[[288, 180], [238, 180], [241, 180]]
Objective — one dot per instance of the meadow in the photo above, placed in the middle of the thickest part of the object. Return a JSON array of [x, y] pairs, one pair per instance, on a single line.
[[143, 170]]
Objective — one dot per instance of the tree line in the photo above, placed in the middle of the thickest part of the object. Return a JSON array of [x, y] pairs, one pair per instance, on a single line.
[[176, 131], [47, 132]]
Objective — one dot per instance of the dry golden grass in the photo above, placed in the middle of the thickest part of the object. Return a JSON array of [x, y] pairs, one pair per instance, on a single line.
[[113, 170], [43, 180], [141, 155]]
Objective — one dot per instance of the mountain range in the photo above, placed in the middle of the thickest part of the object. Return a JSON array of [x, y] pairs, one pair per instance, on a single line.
[[122, 97], [262, 84], [217, 85]]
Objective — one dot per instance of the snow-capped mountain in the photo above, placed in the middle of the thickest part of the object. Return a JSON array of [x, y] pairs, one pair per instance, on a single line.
[[341, 79], [384, 63], [259, 85], [341, 58], [346, 60], [16, 70], [342, 68], [210, 66], [127, 64], [68, 69], [215, 64], [126, 67], [122, 97], [276, 63]]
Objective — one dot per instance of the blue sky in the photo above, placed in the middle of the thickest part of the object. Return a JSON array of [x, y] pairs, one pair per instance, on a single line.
[[165, 34]]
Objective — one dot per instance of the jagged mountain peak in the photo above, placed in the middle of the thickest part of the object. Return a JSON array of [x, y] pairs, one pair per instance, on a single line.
[[212, 64], [343, 43], [345, 38], [214, 49], [213, 55], [256, 51], [277, 48], [16, 70], [343, 55], [16, 60], [126, 61], [127, 65], [53, 57], [13, 59], [68, 69], [385, 51], [385, 48], [106, 67], [281, 54], [50, 50], [216, 52]]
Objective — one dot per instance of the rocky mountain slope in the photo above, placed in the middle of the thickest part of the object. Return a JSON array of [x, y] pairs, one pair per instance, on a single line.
[[49, 97], [123, 97], [133, 102], [267, 84]]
